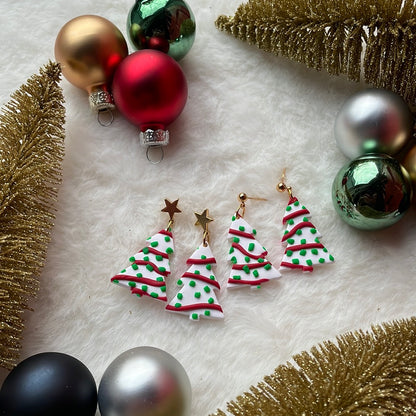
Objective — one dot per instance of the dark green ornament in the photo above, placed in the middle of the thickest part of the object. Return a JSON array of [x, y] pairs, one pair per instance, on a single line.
[[165, 25], [372, 192]]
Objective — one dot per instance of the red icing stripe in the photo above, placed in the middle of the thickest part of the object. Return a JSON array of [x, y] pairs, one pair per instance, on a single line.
[[143, 280], [212, 306], [156, 252], [138, 291], [155, 268], [166, 232], [250, 266], [296, 266], [209, 260], [294, 214], [248, 282], [241, 233], [202, 279], [297, 227], [248, 254], [304, 247]]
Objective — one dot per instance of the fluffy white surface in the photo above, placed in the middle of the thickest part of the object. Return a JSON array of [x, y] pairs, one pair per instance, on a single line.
[[248, 116]]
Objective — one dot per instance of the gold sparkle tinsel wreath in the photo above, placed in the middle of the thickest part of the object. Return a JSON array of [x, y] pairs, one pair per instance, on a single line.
[[31, 152]]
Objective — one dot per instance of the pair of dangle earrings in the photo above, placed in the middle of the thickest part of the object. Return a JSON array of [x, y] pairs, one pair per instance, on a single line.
[[146, 276], [250, 266]]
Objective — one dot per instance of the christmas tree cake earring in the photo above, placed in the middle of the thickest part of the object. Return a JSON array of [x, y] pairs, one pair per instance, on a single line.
[[150, 266], [304, 249], [197, 295], [248, 257]]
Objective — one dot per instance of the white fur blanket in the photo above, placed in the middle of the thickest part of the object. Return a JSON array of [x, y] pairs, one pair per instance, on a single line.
[[248, 116]]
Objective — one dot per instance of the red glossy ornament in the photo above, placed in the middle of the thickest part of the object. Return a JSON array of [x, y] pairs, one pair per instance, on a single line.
[[150, 90]]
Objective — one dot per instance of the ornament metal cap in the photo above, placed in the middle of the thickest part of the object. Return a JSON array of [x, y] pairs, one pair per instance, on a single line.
[[154, 139]]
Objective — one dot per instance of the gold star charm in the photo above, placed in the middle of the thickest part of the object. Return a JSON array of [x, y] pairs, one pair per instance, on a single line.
[[203, 220], [171, 208]]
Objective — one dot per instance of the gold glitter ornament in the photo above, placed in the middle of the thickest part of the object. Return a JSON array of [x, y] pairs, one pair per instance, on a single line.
[[368, 39], [359, 374], [31, 152]]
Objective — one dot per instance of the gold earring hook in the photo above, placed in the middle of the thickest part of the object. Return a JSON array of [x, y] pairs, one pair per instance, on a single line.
[[282, 187], [242, 197]]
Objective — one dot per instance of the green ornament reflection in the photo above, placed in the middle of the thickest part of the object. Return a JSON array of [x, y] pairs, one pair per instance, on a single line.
[[372, 192], [165, 25]]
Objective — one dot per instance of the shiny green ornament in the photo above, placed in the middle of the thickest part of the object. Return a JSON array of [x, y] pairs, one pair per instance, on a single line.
[[372, 192], [165, 25]]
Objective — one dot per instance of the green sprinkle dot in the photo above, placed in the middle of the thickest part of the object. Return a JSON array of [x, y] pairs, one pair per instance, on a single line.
[[132, 259], [195, 316], [286, 232], [162, 269], [288, 208], [303, 207], [144, 288], [258, 287], [291, 222], [163, 288], [309, 262], [302, 252], [159, 279], [192, 283], [159, 257], [154, 295], [295, 261], [146, 258], [325, 250], [305, 219], [169, 250], [179, 282], [149, 267], [123, 271], [321, 260], [314, 251], [251, 247], [233, 218], [331, 257], [254, 231], [134, 266], [146, 250], [296, 203], [208, 266], [290, 240], [299, 232], [289, 253], [242, 228], [207, 289], [212, 277], [233, 260], [167, 238], [317, 240], [246, 269], [247, 259], [139, 275], [178, 305], [116, 282], [138, 295], [211, 301], [203, 257], [268, 266], [260, 260], [197, 295], [236, 277], [236, 240], [154, 243], [313, 231], [132, 284], [180, 296], [256, 273], [197, 272], [231, 250], [207, 313]]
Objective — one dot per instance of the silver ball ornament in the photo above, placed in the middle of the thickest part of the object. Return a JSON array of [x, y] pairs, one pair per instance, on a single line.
[[144, 381], [373, 121], [372, 192]]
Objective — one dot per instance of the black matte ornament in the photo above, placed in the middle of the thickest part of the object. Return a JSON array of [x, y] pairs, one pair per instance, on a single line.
[[49, 384]]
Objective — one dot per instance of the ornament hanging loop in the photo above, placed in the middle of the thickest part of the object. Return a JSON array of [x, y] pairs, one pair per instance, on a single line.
[[153, 149], [105, 117], [282, 187], [243, 197]]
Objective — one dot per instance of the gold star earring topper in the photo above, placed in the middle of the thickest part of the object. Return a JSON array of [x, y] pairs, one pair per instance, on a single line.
[[203, 220], [171, 208]]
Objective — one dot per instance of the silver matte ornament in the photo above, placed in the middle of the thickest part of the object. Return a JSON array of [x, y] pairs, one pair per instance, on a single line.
[[373, 121], [144, 381]]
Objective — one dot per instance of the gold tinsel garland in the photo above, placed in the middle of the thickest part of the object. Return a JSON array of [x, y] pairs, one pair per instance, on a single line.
[[371, 40], [31, 152], [361, 374]]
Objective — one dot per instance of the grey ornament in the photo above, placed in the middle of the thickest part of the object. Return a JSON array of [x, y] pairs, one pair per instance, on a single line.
[[373, 121], [372, 192], [144, 381]]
